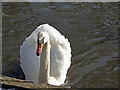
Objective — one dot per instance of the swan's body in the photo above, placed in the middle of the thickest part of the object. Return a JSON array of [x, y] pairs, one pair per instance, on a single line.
[[59, 58]]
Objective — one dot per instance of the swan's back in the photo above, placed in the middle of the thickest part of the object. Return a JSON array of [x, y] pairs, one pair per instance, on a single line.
[[60, 56]]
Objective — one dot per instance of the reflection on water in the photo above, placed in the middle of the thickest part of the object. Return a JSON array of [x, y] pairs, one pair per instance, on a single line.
[[90, 27]]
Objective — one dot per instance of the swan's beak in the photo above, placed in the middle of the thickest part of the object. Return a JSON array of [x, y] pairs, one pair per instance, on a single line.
[[39, 49]]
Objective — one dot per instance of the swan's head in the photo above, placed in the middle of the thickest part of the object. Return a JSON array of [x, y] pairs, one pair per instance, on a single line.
[[42, 38]]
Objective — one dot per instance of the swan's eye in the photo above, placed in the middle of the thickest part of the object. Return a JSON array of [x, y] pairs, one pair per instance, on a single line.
[[39, 41], [42, 41]]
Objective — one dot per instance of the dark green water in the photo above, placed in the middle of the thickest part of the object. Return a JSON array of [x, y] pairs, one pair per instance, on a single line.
[[92, 29]]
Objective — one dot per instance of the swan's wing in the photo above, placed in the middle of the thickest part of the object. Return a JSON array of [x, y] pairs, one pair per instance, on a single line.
[[28, 59], [60, 62]]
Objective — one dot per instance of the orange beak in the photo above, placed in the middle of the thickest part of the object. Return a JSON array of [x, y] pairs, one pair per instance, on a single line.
[[39, 49]]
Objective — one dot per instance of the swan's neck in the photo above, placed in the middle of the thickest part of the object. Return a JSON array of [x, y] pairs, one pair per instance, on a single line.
[[45, 64]]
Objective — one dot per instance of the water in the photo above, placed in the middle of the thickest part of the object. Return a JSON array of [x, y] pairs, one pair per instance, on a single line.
[[92, 29]]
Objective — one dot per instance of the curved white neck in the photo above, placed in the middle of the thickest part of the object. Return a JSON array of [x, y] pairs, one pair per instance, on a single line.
[[45, 64]]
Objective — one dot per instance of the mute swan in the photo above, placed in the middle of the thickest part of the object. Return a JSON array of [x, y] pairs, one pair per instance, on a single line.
[[45, 56]]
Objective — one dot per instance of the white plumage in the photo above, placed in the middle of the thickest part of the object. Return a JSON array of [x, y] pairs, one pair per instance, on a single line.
[[60, 56]]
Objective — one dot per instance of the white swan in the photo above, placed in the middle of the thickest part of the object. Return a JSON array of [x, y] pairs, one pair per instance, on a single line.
[[54, 60]]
